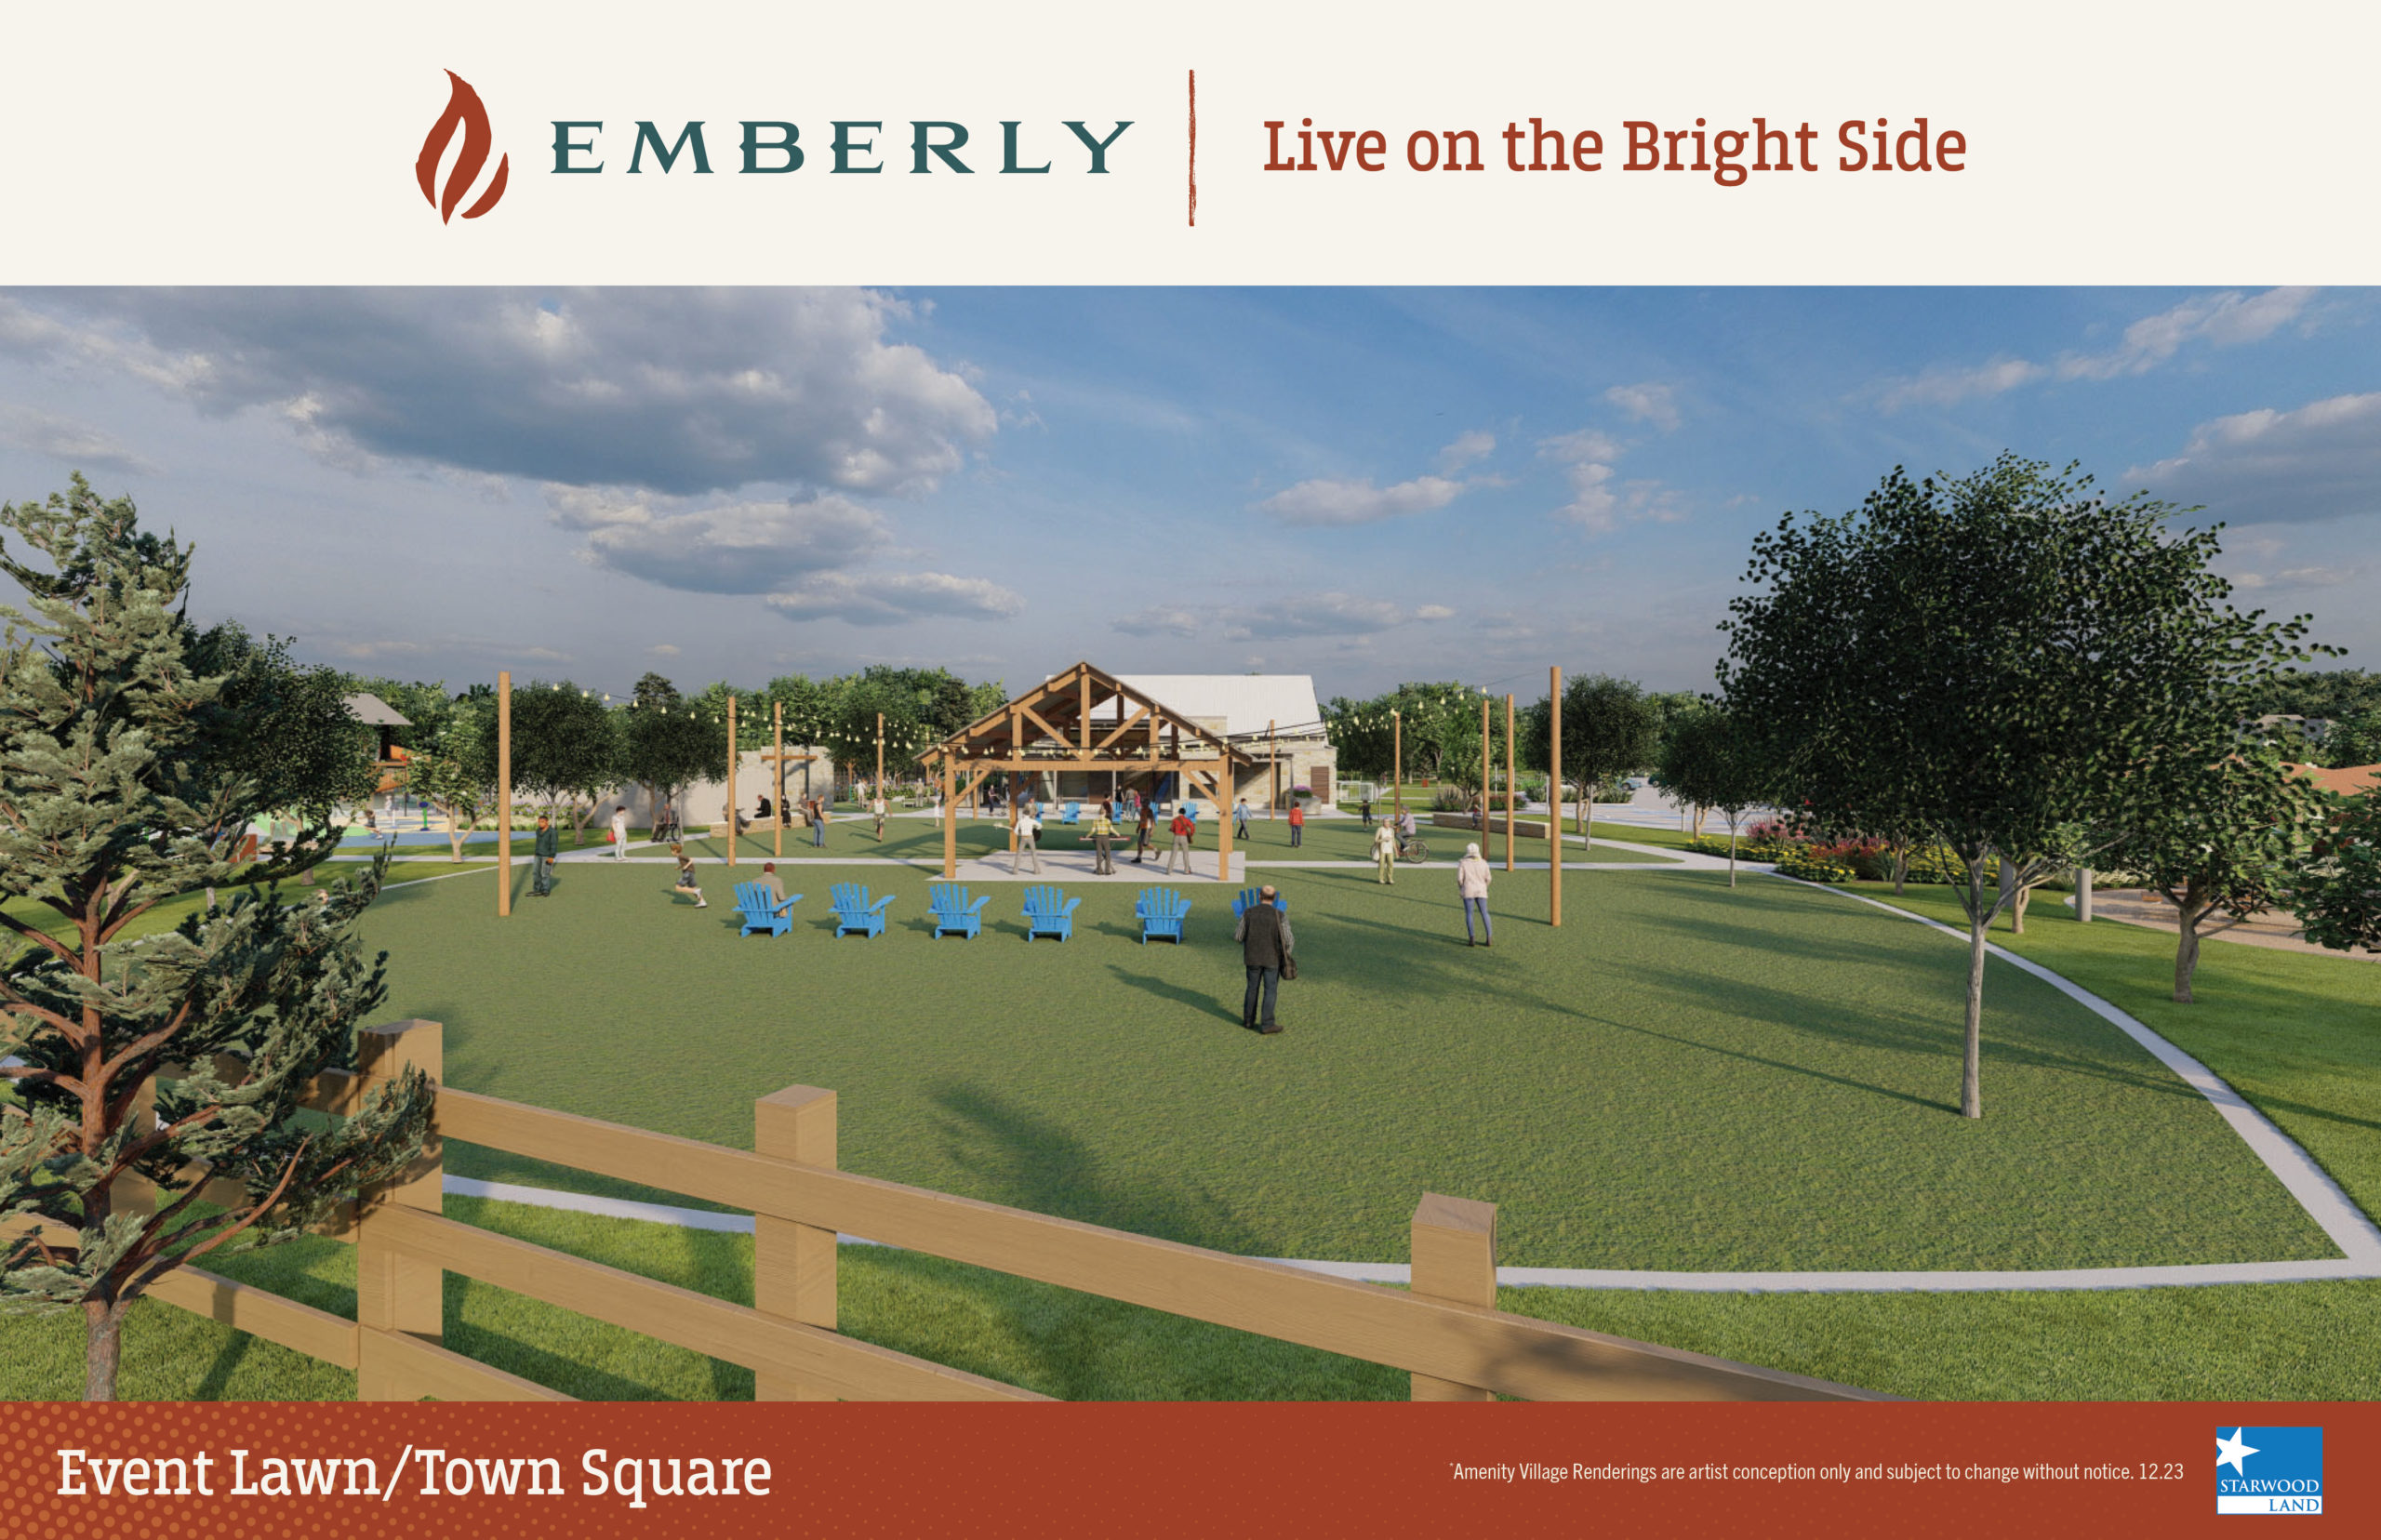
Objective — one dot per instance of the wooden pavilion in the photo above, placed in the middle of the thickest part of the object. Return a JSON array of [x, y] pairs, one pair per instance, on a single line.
[[1084, 720]]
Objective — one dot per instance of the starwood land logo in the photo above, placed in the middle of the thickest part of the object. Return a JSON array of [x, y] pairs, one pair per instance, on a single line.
[[465, 115]]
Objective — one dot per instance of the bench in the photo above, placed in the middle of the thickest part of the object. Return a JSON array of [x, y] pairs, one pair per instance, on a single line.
[[1049, 913], [854, 914], [953, 913], [1161, 913], [763, 911]]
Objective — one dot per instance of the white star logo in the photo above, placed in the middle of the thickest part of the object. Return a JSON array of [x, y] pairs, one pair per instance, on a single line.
[[2231, 1450]]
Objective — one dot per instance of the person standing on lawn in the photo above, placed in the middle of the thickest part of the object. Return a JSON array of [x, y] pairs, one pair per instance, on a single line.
[[1144, 827], [1385, 852], [1298, 823], [1365, 808], [1029, 834], [818, 824], [1239, 819], [1182, 829], [543, 853], [877, 808], [1103, 833], [1263, 932], [620, 831], [1471, 886]]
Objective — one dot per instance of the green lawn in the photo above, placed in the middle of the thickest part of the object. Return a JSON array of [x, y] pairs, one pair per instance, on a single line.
[[1682, 1078]]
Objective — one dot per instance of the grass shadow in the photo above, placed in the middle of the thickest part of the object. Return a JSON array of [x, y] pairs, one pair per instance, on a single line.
[[1199, 1001]]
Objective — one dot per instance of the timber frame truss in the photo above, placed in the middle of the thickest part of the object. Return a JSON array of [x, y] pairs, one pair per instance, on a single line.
[[1084, 719]]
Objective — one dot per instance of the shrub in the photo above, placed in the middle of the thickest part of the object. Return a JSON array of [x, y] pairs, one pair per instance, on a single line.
[[1812, 867]]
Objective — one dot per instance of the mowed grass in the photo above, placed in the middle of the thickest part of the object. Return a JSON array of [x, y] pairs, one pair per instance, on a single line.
[[1682, 1077]]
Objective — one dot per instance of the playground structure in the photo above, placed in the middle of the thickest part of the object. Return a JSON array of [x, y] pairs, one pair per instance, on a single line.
[[1445, 1331], [1086, 721]]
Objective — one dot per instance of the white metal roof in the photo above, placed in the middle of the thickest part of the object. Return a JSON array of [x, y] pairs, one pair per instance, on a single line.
[[371, 711], [1244, 702]]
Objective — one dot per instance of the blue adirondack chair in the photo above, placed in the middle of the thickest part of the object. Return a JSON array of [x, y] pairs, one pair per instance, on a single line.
[[1073, 812], [1161, 913], [855, 913], [954, 914], [763, 911], [1049, 913], [1246, 900]]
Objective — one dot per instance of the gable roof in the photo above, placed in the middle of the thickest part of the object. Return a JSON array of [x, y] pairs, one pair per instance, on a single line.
[[371, 711], [1245, 703], [1087, 717]]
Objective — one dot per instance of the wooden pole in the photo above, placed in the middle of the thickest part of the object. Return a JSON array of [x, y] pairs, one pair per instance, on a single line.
[[731, 780], [878, 790], [1273, 753], [794, 1265], [950, 817], [1220, 789], [503, 792], [1454, 1243], [1397, 763], [396, 1294], [776, 777], [1555, 800], [1509, 783]]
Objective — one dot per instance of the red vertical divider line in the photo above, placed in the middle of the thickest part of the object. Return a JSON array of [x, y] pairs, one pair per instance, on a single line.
[[1194, 148]]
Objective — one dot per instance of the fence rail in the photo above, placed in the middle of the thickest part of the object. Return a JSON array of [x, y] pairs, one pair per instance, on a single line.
[[1444, 1332]]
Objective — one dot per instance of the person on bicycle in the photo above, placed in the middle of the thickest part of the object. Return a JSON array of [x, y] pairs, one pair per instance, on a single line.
[[1385, 852]]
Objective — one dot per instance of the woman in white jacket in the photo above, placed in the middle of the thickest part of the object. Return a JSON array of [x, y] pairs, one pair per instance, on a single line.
[[1471, 884]]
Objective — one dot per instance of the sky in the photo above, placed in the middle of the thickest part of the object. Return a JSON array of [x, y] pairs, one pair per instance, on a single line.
[[1365, 486]]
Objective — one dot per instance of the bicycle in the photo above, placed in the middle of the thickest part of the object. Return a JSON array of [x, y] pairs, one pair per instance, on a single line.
[[1411, 849]]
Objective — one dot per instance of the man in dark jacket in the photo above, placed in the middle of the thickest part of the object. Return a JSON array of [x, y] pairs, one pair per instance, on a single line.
[[1264, 936], [543, 854]]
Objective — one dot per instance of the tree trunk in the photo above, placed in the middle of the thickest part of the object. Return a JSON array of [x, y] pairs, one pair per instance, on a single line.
[[1732, 853], [2189, 909], [1901, 868], [102, 1349], [2017, 910], [2008, 891], [1972, 1062]]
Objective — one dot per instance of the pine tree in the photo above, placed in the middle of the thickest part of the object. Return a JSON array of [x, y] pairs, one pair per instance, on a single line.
[[114, 790]]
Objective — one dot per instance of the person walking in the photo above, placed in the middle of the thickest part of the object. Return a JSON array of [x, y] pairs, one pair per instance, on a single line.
[[1239, 819], [1263, 932], [1144, 829], [1471, 885], [1385, 852], [620, 831], [818, 824], [1103, 833], [1298, 824], [543, 853], [1182, 829], [686, 882], [1365, 808], [877, 808], [1029, 834]]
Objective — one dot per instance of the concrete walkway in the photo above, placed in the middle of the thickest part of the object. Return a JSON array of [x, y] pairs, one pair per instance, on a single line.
[[2279, 932]]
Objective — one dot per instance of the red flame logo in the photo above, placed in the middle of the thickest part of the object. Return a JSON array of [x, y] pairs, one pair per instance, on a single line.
[[464, 112]]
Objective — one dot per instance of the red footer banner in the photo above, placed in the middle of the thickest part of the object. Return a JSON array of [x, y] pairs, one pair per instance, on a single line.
[[318, 1471]]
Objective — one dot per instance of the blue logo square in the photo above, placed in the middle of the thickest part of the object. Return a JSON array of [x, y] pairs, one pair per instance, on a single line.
[[2269, 1470]]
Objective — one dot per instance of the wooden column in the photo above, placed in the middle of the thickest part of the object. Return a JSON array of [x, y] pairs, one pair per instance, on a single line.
[[1273, 756], [950, 819], [503, 792], [794, 1265], [1397, 763], [1219, 787], [777, 776], [1012, 821], [1555, 800], [878, 790], [393, 1291], [1509, 783], [1454, 1258], [731, 780]]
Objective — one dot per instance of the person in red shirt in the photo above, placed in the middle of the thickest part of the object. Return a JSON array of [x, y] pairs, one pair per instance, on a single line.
[[1181, 829], [1298, 824]]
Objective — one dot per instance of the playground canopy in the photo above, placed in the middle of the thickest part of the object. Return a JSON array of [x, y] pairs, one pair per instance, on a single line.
[[1086, 721]]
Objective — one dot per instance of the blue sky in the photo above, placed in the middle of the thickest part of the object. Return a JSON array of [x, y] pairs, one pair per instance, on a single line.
[[1365, 486]]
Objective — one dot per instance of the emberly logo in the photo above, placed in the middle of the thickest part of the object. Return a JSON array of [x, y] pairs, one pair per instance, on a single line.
[[2272, 1471], [463, 112]]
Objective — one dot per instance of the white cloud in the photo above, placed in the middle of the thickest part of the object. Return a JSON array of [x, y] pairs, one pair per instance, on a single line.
[[1476, 444], [79, 445], [662, 649], [731, 548], [2321, 460], [2225, 320], [1330, 614], [1163, 620], [894, 598], [1601, 502], [1434, 612], [1339, 503], [2319, 575], [681, 390], [1646, 403]]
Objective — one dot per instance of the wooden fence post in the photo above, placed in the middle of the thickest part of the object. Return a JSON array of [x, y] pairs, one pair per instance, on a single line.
[[794, 1265], [393, 1291], [1454, 1257]]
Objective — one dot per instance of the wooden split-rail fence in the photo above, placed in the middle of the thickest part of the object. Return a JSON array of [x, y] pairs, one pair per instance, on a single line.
[[1445, 1331]]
